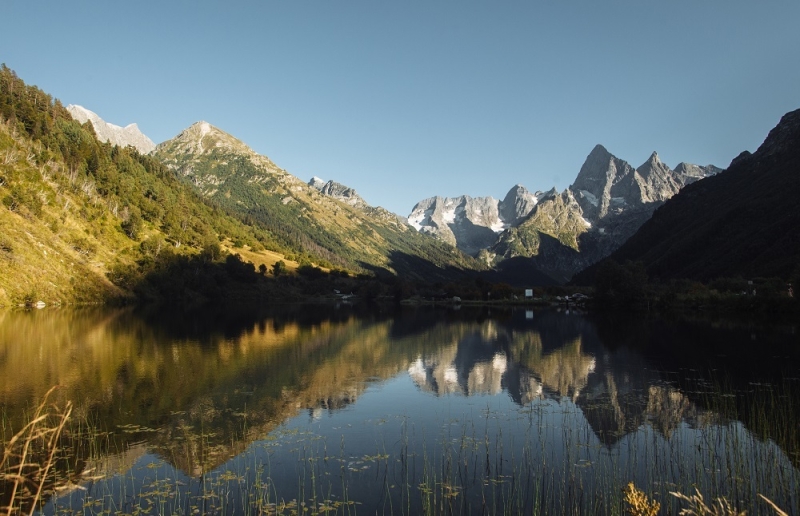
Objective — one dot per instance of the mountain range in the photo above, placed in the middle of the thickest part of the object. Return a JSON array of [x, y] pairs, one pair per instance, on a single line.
[[85, 220], [743, 222], [326, 223], [560, 233], [556, 233]]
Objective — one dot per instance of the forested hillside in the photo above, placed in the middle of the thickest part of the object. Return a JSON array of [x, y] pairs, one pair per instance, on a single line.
[[84, 221]]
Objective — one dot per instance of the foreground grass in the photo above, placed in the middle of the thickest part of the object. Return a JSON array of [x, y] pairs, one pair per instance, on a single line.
[[29, 457], [467, 467]]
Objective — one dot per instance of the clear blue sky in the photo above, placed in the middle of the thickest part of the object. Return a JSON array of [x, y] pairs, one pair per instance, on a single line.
[[404, 100]]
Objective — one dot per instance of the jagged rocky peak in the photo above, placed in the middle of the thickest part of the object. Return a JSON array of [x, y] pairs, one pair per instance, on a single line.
[[595, 169], [439, 211], [742, 222], [114, 134], [604, 184], [316, 183], [601, 170], [338, 191], [783, 137], [470, 223], [653, 163], [516, 205], [656, 181], [688, 173], [605, 205]]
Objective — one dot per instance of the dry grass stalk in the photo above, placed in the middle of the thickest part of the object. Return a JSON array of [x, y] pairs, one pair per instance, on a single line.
[[30, 454], [638, 502], [698, 506], [777, 509]]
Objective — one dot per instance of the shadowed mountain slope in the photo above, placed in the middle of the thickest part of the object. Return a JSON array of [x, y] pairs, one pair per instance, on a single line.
[[744, 221]]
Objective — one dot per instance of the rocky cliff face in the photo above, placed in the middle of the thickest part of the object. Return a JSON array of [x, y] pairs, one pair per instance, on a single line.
[[563, 232], [465, 222], [114, 134], [687, 173], [338, 191], [517, 203], [472, 223]]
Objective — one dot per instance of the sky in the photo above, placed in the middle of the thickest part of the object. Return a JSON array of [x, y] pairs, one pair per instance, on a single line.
[[408, 99]]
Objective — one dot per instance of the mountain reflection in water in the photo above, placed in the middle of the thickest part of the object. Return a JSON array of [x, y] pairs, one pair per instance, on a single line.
[[199, 390]]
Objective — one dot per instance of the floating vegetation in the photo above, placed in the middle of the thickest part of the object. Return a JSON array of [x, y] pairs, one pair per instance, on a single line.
[[546, 465]]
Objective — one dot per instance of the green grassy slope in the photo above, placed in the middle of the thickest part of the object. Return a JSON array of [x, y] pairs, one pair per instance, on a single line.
[[305, 223], [81, 220]]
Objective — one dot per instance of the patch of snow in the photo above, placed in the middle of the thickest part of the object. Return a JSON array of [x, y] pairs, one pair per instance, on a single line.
[[205, 128], [589, 197], [415, 223], [417, 219], [602, 231], [618, 200], [449, 216], [499, 226]]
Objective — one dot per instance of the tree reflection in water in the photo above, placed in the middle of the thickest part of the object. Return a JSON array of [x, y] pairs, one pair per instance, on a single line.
[[415, 410]]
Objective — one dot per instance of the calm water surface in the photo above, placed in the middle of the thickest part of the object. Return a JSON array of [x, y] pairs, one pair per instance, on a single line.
[[321, 409]]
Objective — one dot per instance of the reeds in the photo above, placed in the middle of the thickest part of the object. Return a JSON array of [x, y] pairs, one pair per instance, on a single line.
[[29, 456], [542, 459]]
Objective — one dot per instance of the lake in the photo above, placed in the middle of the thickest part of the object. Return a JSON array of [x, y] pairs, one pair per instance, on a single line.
[[354, 410]]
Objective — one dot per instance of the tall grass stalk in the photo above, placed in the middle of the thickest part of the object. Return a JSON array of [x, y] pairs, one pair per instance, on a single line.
[[29, 455]]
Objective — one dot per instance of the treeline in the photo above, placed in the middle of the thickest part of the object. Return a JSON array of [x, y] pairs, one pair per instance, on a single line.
[[151, 233], [97, 197], [215, 276], [627, 285], [134, 188]]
